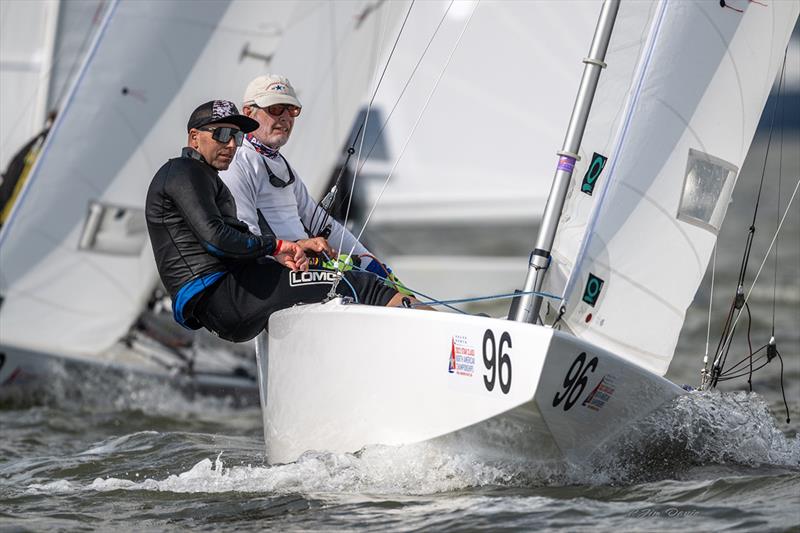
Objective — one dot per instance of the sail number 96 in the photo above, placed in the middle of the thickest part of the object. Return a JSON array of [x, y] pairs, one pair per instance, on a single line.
[[575, 381], [497, 361]]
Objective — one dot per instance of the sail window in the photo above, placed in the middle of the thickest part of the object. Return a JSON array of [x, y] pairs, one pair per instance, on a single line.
[[707, 189], [113, 229]]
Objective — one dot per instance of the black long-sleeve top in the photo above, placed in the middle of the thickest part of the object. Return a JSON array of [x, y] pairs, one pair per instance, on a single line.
[[191, 219]]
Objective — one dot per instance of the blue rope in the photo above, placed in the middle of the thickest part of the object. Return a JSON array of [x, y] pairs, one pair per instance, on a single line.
[[431, 300], [491, 297], [447, 303]]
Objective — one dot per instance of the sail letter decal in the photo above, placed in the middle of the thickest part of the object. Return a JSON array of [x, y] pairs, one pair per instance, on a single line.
[[593, 172], [592, 291]]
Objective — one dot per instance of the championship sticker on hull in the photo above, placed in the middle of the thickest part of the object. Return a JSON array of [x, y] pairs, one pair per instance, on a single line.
[[601, 393], [462, 357]]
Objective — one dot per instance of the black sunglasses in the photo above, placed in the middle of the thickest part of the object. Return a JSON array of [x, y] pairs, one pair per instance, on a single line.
[[224, 134], [274, 180]]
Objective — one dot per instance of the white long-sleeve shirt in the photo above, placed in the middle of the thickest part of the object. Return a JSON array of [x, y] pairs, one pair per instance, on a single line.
[[286, 209]]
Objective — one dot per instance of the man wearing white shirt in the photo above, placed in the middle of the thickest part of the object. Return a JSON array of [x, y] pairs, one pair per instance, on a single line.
[[261, 179]]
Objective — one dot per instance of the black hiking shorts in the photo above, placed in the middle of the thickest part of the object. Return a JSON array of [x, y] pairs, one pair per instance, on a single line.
[[238, 306]]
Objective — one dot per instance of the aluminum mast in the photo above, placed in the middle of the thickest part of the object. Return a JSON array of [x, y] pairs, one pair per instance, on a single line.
[[529, 304]]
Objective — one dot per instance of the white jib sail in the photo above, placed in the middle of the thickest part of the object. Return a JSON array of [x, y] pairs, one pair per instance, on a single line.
[[76, 267], [674, 117]]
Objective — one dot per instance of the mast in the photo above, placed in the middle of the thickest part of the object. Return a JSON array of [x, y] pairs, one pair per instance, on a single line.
[[529, 304]]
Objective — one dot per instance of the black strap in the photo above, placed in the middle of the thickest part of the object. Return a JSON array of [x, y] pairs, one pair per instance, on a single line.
[[274, 180]]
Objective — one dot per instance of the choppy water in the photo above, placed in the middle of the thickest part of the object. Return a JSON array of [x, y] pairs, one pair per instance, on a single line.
[[715, 460], [132, 457]]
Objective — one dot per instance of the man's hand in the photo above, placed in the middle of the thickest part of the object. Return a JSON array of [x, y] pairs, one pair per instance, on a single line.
[[318, 245], [291, 255]]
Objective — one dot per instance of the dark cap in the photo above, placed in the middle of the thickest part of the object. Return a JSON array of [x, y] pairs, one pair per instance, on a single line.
[[220, 111]]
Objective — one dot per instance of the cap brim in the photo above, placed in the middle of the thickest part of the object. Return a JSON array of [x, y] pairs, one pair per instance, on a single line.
[[246, 124], [272, 99]]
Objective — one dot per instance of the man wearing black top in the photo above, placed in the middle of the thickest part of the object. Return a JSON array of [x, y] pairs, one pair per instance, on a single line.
[[219, 274]]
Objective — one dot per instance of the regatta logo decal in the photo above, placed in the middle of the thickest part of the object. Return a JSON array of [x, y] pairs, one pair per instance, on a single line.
[[462, 357], [592, 291], [601, 393], [593, 172], [312, 277]]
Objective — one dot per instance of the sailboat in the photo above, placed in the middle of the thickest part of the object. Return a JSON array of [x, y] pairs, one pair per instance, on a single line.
[[78, 283], [641, 188]]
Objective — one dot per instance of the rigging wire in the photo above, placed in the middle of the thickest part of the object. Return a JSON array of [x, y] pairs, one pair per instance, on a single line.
[[772, 243], [351, 150], [726, 338], [749, 345], [431, 301], [758, 273], [405, 87], [363, 127], [321, 213], [735, 373], [503, 296], [416, 123], [777, 220], [704, 372]]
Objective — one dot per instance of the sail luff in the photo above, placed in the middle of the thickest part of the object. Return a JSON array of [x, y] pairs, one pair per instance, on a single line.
[[630, 106]]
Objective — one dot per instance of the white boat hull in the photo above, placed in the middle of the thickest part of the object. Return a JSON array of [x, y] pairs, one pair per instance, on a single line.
[[339, 377]]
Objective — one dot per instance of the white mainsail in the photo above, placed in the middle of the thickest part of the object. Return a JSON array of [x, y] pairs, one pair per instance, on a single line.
[[638, 228], [76, 267]]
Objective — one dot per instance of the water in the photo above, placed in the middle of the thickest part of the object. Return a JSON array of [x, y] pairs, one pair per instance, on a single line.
[[134, 456], [712, 460]]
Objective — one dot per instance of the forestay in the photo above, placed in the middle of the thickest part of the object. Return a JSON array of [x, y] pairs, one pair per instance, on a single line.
[[673, 119], [76, 265]]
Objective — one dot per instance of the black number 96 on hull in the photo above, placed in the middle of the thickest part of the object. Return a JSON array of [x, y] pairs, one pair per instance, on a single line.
[[575, 381], [497, 361]]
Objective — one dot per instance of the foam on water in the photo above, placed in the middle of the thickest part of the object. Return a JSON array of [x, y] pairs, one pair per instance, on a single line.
[[698, 429], [416, 469]]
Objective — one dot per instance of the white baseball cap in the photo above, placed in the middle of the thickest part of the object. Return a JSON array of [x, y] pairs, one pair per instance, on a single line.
[[270, 89]]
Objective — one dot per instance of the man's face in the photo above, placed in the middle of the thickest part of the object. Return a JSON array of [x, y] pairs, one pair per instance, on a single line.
[[274, 131], [218, 155]]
